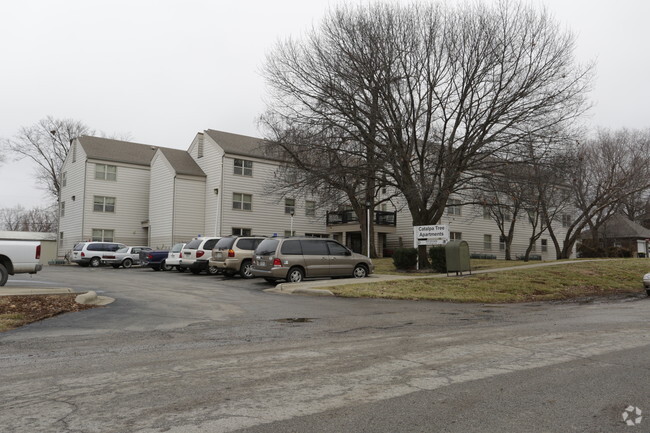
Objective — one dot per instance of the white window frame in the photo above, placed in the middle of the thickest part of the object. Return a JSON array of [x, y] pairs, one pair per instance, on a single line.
[[487, 242], [310, 208], [239, 201], [241, 231], [453, 207], [290, 205], [101, 235], [243, 167], [106, 172], [105, 204]]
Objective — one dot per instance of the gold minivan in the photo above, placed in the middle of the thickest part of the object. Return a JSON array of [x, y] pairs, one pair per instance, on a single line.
[[293, 259]]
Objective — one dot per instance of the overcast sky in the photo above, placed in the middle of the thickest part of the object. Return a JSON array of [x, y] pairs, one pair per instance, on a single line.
[[162, 70]]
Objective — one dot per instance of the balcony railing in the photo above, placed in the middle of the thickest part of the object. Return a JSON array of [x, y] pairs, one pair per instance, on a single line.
[[347, 217]]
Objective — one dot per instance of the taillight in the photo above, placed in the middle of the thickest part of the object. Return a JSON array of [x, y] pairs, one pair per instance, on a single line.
[[231, 253], [83, 254], [180, 256], [150, 256], [199, 253], [277, 262], [38, 251]]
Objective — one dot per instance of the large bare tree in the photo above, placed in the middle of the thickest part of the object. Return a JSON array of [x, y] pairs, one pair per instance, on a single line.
[[424, 97], [29, 220], [46, 143]]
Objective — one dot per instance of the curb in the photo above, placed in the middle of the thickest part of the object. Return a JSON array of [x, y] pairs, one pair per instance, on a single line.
[[286, 289]]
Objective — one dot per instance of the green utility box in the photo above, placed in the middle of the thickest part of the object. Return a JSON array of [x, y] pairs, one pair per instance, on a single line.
[[457, 255]]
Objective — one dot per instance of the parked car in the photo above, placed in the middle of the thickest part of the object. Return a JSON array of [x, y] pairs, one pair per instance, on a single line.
[[19, 257], [196, 255], [154, 259], [233, 254], [293, 259], [92, 253], [125, 257], [174, 257]]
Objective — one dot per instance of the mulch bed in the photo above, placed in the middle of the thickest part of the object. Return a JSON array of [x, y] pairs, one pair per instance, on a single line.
[[19, 310]]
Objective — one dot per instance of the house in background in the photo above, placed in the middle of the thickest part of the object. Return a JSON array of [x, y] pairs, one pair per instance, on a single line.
[[621, 232]]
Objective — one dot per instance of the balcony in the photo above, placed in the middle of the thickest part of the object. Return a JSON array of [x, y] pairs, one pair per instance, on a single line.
[[381, 218]]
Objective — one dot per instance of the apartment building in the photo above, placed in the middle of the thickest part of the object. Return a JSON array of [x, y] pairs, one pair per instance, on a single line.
[[142, 194]]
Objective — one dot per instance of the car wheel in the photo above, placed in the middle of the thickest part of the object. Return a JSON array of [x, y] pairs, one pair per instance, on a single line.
[[360, 271], [195, 271], [95, 262], [180, 269], [295, 275], [246, 270], [213, 270], [165, 267], [115, 266], [4, 275], [127, 263]]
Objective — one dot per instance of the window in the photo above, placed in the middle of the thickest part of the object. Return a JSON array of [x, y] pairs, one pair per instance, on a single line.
[[243, 167], [64, 178], [102, 235], [314, 248], [453, 207], [60, 239], [455, 236], [74, 152], [316, 235], [62, 209], [105, 172], [290, 206], [337, 249], [544, 245], [566, 220], [502, 242], [534, 246], [486, 213], [200, 146], [103, 204], [288, 233], [238, 231], [242, 201], [487, 242], [291, 247], [310, 208]]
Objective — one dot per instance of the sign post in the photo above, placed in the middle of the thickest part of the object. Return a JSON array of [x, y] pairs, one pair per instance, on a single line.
[[430, 235]]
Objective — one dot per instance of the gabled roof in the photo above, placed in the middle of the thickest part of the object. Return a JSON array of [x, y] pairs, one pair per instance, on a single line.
[[620, 227], [182, 162], [236, 144], [117, 151]]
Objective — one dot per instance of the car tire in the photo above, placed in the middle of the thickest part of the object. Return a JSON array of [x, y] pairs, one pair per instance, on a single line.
[[127, 263], [360, 271], [115, 266], [295, 275], [165, 267], [195, 271], [246, 269], [95, 262], [156, 268], [213, 270], [4, 275]]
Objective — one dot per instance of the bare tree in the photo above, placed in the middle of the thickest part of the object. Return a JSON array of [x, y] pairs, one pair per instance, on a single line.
[[47, 143], [29, 220], [432, 95], [604, 173]]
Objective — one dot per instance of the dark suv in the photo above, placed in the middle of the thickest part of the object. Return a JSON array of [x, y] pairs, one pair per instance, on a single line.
[[92, 253]]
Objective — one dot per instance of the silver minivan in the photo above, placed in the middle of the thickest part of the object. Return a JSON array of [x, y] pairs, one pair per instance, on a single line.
[[293, 259]]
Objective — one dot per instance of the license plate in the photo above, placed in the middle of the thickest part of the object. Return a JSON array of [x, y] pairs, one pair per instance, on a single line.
[[261, 263]]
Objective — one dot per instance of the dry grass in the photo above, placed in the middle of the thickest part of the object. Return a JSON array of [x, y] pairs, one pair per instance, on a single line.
[[560, 282]]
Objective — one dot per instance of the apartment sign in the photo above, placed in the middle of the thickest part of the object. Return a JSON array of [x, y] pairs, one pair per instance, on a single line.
[[430, 235]]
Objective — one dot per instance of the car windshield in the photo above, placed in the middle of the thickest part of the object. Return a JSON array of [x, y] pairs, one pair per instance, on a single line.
[[177, 248], [194, 244], [122, 250], [225, 243], [78, 247], [267, 247]]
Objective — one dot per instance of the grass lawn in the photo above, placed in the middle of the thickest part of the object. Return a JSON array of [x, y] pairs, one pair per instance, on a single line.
[[560, 282]]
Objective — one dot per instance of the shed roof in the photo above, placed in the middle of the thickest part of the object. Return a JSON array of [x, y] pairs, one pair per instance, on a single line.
[[620, 227]]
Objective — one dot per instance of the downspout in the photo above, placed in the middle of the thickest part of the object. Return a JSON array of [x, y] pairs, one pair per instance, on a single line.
[[173, 209], [83, 202]]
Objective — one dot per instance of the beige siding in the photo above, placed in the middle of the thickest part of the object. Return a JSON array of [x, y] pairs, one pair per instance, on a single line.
[[210, 163], [267, 216], [71, 224], [189, 208], [161, 202], [131, 192]]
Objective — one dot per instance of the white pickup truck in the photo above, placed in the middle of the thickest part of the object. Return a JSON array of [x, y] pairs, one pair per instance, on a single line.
[[19, 257]]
